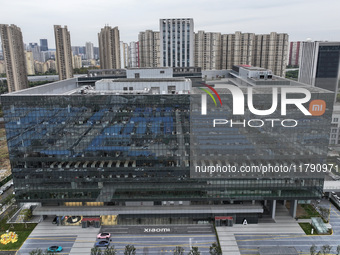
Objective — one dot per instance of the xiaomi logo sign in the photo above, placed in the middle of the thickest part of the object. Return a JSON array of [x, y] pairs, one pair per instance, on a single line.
[[317, 107]]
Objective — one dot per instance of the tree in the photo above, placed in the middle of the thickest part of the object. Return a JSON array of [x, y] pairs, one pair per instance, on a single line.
[[40, 252], [326, 249], [194, 251], [96, 251], [110, 251], [27, 215], [130, 250], [36, 252], [179, 250], [312, 249], [324, 212], [215, 249]]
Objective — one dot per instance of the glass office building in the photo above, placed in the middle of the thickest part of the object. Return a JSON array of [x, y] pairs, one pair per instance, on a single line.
[[70, 146]]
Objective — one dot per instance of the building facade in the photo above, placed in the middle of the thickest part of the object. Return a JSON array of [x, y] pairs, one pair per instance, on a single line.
[[77, 63], [208, 50], [177, 42], [63, 52], [236, 49], [270, 51], [124, 54], [2, 66], [124, 148], [319, 64], [214, 51], [109, 48], [89, 50], [29, 62], [334, 137], [14, 56], [35, 49], [294, 53], [43, 45], [149, 49], [134, 54]]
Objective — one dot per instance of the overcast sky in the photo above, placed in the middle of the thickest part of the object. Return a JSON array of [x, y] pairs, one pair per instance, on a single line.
[[301, 19]]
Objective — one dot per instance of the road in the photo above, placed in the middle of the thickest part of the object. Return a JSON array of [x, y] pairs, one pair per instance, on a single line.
[[79, 241], [249, 244], [6, 194]]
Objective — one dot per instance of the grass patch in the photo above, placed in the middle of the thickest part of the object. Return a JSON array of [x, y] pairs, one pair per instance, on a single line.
[[22, 236], [21, 229], [307, 227], [309, 212]]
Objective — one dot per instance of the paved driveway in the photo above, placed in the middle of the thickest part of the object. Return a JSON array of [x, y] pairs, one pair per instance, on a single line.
[[249, 243], [147, 241], [43, 242]]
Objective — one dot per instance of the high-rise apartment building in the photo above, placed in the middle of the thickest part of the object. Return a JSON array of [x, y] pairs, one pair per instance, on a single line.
[[208, 50], [319, 64], [41, 67], [124, 55], [29, 62], [236, 49], [13, 51], [77, 61], [89, 50], [134, 54], [35, 49], [43, 45], [177, 42], [270, 51], [294, 53], [96, 52], [216, 51], [149, 49], [63, 52], [2, 67], [109, 48]]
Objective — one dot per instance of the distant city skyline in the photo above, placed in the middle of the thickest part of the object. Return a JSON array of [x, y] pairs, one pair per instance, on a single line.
[[84, 19]]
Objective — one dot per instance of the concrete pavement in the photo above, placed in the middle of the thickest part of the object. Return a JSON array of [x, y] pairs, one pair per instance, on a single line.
[[284, 224], [85, 237]]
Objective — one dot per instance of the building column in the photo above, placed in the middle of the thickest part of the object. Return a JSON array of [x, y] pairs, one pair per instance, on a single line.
[[253, 202], [265, 203], [293, 206], [284, 202], [273, 209]]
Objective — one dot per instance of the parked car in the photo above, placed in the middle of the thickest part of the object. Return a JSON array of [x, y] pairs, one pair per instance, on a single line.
[[102, 244], [103, 235], [55, 220], [55, 248]]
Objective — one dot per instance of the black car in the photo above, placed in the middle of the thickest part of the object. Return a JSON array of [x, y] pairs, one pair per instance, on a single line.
[[55, 220], [102, 244]]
